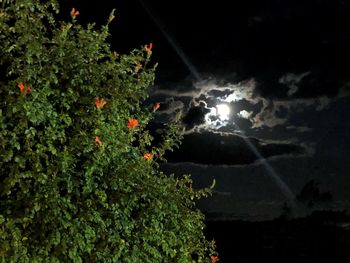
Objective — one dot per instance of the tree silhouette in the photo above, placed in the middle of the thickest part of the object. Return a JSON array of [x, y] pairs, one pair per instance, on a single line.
[[311, 195]]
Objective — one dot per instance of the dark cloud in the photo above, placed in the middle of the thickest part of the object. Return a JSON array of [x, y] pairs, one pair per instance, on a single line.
[[320, 83], [196, 115], [219, 93], [227, 149]]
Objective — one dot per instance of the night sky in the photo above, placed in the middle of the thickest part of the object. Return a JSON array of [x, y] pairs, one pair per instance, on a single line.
[[264, 91]]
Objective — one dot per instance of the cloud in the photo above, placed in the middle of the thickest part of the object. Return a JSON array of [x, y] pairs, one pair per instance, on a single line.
[[228, 149], [200, 101], [253, 104], [299, 129], [169, 106], [268, 115], [168, 110], [209, 88], [320, 82], [279, 112], [292, 80], [244, 114], [196, 115]]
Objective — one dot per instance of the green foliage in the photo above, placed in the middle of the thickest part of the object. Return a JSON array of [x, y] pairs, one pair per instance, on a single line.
[[75, 183]]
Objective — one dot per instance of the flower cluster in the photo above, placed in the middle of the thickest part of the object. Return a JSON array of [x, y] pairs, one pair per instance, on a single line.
[[74, 13], [100, 103], [131, 124], [23, 89]]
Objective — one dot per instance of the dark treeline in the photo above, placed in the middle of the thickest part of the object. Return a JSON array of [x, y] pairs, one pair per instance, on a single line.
[[320, 237]]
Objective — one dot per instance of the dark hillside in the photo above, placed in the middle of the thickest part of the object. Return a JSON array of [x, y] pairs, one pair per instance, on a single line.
[[321, 237]]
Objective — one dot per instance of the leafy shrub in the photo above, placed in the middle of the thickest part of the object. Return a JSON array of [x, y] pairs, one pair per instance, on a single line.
[[79, 175]]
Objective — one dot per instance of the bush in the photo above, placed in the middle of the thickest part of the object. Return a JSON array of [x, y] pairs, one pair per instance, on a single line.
[[79, 172]]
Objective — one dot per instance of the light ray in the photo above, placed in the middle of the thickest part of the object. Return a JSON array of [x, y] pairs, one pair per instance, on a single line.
[[273, 174], [161, 26]]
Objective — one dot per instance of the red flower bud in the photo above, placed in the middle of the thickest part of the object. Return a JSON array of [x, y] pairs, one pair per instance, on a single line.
[[214, 259], [100, 103], [148, 156], [74, 12], [132, 123], [98, 141]]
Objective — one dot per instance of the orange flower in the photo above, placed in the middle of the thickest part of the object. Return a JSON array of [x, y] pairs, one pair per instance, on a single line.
[[148, 156], [97, 140], [22, 88], [214, 258], [137, 67], [100, 103], [74, 12], [148, 48], [132, 123], [156, 106]]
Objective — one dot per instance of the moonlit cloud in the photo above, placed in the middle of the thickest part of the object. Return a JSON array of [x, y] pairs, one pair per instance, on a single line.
[[211, 139], [171, 106], [198, 104], [292, 80], [205, 89], [244, 114]]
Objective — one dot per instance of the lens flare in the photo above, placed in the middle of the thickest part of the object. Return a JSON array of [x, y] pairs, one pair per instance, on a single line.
[[161, 26]]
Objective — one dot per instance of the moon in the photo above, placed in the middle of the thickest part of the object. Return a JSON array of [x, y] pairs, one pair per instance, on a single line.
[[223, 111]]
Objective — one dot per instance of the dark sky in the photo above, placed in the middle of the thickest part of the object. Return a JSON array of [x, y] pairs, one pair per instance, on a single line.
[[281, 67]]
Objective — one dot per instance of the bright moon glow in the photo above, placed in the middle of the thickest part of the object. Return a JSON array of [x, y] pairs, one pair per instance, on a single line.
[[223, 111]]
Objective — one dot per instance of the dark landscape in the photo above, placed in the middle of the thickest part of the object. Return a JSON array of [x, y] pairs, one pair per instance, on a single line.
[[323, 236]]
